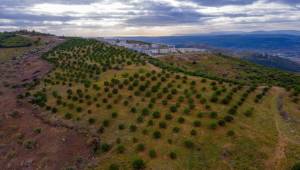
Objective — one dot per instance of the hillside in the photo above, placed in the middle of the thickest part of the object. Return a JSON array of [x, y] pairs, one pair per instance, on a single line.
[[148, 113], [15, 44], [229, 68], [11, 40]]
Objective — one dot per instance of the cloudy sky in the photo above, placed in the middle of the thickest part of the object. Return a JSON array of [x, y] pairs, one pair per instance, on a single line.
[[148, 17]]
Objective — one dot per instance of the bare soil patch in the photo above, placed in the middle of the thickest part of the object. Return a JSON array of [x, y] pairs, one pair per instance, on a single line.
[[27, 142]]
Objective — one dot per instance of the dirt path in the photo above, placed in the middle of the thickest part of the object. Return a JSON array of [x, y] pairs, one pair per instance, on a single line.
[[278, 157], [27, 142]]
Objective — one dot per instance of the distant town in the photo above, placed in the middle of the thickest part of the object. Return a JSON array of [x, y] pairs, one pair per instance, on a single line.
[[152, 49]]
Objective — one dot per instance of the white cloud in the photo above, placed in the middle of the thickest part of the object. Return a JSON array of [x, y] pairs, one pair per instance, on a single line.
[[112, 17], [79, 10], [6, 21]]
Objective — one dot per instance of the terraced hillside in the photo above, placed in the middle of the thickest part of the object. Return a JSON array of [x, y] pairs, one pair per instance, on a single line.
[[155, 117]]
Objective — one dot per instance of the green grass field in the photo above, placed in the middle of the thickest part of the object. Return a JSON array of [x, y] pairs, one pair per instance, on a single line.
[[150, 117]]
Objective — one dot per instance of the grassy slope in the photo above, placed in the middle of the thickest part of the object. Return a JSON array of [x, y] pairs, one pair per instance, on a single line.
[[233, 69], [252, 147], [18, 45], [10, 40]]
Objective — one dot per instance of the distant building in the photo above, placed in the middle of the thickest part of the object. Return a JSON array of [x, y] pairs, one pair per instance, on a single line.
[[151, 49]]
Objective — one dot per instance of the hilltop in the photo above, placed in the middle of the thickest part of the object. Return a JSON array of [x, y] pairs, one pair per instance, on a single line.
[[127, 110]]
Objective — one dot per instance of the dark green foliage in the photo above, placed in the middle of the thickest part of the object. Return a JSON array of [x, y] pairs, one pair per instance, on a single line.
[[193, 132], [173, 109], [114, 115], [168, 116], [213, 125], [188, 144], [140, 147], [152, 153], [173, 155], [138, 164], [213, 114], [40, 98], [162, 125], [132, 128], [121, 126], [296, 166], [105, 147], [221, 122], [228, 118], [197, 123], [156, 134], [156, 114], [176, 129], [92, 120]]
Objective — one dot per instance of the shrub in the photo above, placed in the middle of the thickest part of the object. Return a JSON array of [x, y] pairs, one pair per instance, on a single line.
[[120, 149], [162, 125], [173, 108], [221, 122], [114, 114], [132, 128], [296, 166], [228, 118], [140, 147], [152, 153], [168, 116], [200, 114], [133, 110], [105, 147], [232, 111], [92, 120], [188, 144], [37, 130], [156, 135], [78, 109], [121, 126], [140, 119], [30, 144], [145, 111], [150, 123], [172, 155], [197, 123], [68, 116], [213, 114], [193, 132], [138, 164], [186, 111], [156, 115], [176, 129], [213, 125]]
